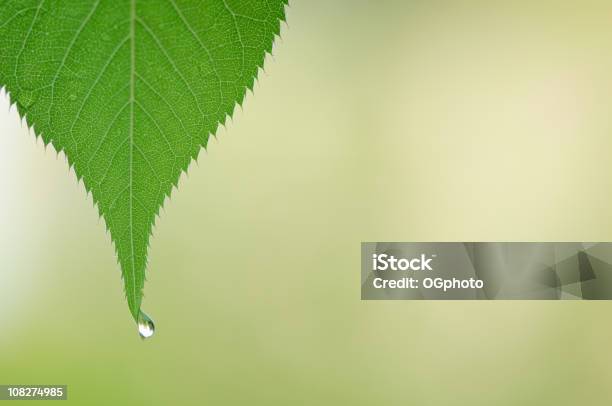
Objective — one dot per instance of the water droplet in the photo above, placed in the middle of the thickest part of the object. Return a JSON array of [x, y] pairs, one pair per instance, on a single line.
[[146, 327], [72, 97], [26, 98]]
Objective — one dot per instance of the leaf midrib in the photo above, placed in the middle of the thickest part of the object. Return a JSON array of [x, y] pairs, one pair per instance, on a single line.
[[131, 133]]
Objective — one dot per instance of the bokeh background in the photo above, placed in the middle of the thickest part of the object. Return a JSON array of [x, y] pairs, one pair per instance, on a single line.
[[375, 120]]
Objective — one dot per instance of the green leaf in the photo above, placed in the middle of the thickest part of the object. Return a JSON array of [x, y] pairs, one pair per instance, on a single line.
[[131, 91]]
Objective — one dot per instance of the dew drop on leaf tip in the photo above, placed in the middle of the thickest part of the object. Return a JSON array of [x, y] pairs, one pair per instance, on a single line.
[[146, 327]]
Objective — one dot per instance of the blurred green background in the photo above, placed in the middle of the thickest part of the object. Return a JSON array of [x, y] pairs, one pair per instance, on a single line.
[[375, 120]]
